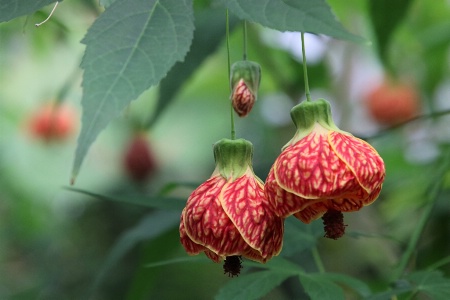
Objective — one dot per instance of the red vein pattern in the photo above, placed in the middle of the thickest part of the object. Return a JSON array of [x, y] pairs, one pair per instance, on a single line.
[[242, 99], [360, 157], [244, 202], [230, 218], [322, 171]]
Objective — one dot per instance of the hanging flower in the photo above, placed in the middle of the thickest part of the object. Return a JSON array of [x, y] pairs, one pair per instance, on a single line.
[[323, 171], [245, 79], [228, 216]]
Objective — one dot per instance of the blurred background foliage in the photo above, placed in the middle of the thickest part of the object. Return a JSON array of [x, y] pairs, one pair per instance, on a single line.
[[109, 237]]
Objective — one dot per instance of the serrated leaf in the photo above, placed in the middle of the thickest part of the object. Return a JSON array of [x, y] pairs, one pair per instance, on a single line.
[[357, 285], [10, 9], [149, 227], [432, 283], [318, 287], [209, 32], [251, 286], [400, 287], [129, 48], [292, 15], [160, 202], [299, 236]]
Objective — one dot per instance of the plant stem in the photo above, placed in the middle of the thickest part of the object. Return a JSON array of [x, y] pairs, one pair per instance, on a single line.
[[412, 245], [227, 33], [318, 260], [436, 114], [245, 40], [305, 71]]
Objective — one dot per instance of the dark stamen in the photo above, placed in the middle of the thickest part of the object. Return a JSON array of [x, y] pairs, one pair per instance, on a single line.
[[232, 266], [333, 222]]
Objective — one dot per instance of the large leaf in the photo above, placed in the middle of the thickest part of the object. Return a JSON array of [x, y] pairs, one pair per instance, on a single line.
[[251, 286], [209, 32], [129, 48], [292, 15], [150, 227], [10, 9], [319, 287], [432, 283], [386, 15]]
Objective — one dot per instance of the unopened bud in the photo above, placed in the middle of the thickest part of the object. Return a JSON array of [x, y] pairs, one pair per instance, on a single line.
[[245, 79]]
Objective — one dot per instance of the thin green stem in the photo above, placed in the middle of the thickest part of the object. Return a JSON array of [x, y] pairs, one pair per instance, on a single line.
[[305, 71], [436, 114], [412, 245], [440, 263], [318, 259], [227, 33], [245, 40]]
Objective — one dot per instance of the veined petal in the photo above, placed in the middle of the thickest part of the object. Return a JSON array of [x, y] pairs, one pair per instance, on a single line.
[[363, 160], [311, 213], [207, 224], [244, 202], [190, 247], [282, 203], [310, 169]]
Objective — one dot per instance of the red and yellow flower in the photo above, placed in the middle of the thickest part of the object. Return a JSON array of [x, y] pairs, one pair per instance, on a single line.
[[229, 215], [245, 79], [323, 170]]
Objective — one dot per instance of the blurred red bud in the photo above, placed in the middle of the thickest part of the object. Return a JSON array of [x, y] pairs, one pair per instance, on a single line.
[[53, 122], [138, 161]]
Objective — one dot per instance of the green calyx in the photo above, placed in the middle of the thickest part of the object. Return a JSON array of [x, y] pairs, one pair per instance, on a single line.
[[249, 71], [309, 113], [233, 157]]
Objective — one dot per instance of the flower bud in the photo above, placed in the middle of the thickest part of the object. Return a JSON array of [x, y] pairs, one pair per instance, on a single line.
[[245, 79]]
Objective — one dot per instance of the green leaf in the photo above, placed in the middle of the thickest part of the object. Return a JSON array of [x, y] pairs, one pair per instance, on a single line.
[[177, 260], [401, 287], [129, 48], [279, 265], [319, 287], [149, 227], [386, 15], [292, 15], [251, 286], [357, 285], [432, 283], [209, 32], [166, 203], [299, 236], [106, 3], [10, 9]]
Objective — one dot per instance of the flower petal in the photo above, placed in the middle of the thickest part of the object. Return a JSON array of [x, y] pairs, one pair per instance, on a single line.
[[207, 224], [361, 159], [282, 203], [312, 212], [244, 202], [310, 169], [190, 247]]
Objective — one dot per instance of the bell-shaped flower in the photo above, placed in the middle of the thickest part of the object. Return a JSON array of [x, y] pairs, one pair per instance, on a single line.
[[245, 79], [228, 215], [323, 171]]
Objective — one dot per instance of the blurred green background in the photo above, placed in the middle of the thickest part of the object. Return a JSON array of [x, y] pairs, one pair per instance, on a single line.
[[57, 243]]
